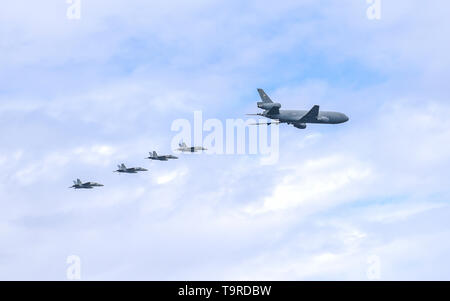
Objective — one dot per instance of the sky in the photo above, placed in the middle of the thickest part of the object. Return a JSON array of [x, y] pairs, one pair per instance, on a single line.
[[365, 200]]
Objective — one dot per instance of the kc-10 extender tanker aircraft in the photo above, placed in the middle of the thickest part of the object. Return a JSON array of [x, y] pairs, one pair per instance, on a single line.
[[298, 118]]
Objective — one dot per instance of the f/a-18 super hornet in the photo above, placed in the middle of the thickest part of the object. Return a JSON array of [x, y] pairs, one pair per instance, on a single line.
[[154, 156], [88, 185], [123, 169], [189, 149], [298, 118]]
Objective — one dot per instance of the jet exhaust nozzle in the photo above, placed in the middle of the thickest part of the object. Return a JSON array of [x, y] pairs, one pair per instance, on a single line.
[[300, 125]]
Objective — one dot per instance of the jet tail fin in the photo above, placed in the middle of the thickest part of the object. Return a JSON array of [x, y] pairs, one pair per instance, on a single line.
[[264, 96], [155, 154]]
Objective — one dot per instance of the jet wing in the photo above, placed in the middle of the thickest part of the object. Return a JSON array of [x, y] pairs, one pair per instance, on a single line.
[[311, 115]]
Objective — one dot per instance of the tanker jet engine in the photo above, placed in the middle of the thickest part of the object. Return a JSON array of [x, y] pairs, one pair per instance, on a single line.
[[88, 185], [154, 156], [189, 149], [298, 118], [123, 169]]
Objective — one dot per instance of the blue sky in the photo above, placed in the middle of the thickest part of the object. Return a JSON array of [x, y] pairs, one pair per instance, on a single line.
[[77, 97]]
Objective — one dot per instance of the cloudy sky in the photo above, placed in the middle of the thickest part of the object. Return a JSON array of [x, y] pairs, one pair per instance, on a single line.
[[368, 199]]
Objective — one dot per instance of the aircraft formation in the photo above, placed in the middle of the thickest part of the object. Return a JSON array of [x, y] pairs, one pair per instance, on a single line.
[[121, 168], [297, 118]]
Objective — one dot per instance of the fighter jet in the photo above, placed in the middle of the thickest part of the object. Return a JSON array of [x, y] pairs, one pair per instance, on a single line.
[[298, 118], [88, 185], [123, 169], [154, 156], [192, 149]]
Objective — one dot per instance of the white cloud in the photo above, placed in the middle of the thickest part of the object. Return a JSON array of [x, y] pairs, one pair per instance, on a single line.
[[171, 176], [314, 183]]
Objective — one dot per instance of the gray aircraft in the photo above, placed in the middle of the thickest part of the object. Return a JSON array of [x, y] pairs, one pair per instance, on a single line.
[[123, 169], [298, 118], [88, 185], [154, 156], [189, 149]]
